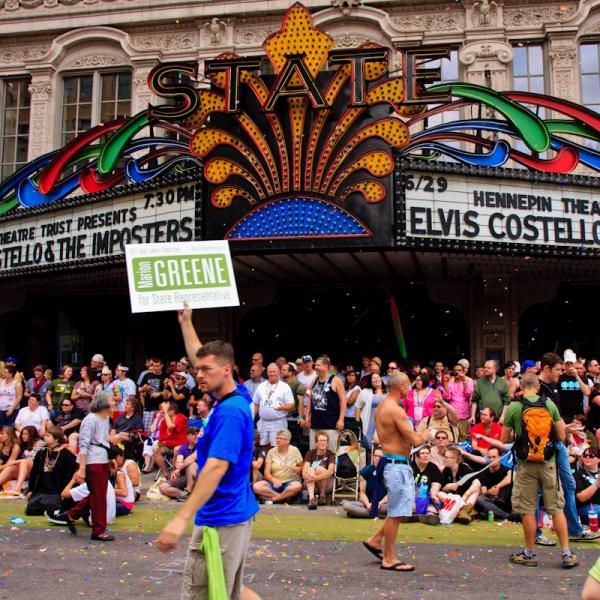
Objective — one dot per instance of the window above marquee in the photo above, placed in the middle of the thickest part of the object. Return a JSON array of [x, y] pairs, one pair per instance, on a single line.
[[92, 98], [14, 125]]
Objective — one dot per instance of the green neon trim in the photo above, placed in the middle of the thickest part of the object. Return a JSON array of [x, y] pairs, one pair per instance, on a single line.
[[530, 126], [571, 127], [111, 153], [8, 204]]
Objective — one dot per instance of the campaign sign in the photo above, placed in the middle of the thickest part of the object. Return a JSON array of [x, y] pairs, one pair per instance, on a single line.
[[164, 276]]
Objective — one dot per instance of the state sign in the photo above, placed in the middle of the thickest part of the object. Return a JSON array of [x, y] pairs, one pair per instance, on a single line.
[[163, 276]]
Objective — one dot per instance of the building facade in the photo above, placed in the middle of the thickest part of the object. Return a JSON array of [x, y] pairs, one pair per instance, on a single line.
[[67, 66]]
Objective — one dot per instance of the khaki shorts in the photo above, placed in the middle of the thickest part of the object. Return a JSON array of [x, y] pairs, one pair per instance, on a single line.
[[529, 479], [234, 541], [463, 430]]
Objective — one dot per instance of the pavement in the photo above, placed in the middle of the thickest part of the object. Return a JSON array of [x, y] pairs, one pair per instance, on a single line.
[[49, 564]]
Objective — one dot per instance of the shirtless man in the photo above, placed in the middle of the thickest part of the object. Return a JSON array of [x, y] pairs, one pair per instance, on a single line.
[[396, 436]]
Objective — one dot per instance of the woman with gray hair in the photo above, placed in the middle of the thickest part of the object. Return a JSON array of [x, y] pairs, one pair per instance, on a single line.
[[93, 468]]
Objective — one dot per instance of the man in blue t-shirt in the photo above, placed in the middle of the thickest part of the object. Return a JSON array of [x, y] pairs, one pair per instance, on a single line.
[[222, 497]]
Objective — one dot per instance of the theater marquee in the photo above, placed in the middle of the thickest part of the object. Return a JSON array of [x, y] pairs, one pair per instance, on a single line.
[[88, 232], [455, 210]]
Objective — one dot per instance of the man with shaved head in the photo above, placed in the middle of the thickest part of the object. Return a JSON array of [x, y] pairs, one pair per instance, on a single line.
[[397, 437], [273, 400]]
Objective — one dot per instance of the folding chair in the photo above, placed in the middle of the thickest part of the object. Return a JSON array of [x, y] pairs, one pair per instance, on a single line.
[[344, 486]]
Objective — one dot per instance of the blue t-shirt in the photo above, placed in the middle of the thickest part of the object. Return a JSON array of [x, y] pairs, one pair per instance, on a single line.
[[242, 391], [229, 435]]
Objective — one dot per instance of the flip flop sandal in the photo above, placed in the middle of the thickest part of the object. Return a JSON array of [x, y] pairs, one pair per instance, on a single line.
[[374, 551], [395, 566]]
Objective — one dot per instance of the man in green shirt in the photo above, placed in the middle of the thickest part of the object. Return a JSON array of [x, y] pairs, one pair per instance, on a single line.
[[530, 476], [490, 391]]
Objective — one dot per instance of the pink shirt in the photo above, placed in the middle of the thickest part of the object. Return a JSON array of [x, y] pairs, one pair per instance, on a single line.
[[458, 396], [416, 410]]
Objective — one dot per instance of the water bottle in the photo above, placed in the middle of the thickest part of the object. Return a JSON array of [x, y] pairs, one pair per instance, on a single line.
[[593, 518], [423, 488], [490, 516]]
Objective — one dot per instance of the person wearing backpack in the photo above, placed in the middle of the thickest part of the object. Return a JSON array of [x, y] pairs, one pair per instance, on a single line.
[[535, 425]]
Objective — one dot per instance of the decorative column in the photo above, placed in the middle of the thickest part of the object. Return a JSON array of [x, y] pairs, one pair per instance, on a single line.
[[563, 61], [142, 96], [41, 120]]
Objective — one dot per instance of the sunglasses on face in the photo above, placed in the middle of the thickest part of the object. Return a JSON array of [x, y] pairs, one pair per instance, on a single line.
[[589, 455], [66, 404]]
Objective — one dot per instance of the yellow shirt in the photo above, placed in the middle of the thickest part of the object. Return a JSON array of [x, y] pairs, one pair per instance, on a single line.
[[281, 464]]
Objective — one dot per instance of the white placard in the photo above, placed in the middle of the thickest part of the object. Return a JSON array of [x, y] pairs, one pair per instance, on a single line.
[[164, 276], [501, 211]]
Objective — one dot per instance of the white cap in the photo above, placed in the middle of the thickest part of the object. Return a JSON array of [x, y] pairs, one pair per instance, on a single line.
[[517, 366], [106, 371], [569, 356], [98, 358]]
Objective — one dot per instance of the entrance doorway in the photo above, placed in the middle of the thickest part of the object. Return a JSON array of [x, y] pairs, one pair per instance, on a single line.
[[348, 322]]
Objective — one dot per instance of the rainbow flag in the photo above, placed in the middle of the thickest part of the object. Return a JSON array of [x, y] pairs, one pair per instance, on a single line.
[[397, 326]]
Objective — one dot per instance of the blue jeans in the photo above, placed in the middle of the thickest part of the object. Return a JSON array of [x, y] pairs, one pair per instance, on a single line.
[[583, 511], [567, 482], [5, 420]]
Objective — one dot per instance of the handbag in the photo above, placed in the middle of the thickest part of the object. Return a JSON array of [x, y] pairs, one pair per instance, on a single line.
[[111, 450]]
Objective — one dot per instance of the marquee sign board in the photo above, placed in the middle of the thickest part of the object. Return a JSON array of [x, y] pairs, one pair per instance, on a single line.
[[459, 211], [97, 231]]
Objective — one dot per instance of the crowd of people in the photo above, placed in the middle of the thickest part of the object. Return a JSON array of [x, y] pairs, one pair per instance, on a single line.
[[74, 446]]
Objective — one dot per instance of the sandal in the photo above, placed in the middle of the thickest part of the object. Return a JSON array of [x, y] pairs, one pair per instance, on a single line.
[[395, 566], [374, 551]]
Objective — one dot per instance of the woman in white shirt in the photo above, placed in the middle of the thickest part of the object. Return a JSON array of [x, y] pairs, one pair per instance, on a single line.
[[11, 392], [33, 414]]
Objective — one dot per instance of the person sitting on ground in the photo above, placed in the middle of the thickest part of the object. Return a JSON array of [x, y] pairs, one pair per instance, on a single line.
[[74, 493], [494, 494], [33, 414], [438, 450], [30, 444], [444, 418], [587, 484], [318, 470], [123, 485], [367, 481], [10, 453], [454, 470], [428, 480], [283, 466], [127, 422], [172, 433], [69, 418], [488, 428], [179, 486], [151, 443], [133, 472], [53, 467], [258, 459]]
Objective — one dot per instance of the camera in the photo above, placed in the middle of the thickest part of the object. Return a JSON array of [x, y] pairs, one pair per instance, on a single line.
[[453, 373]]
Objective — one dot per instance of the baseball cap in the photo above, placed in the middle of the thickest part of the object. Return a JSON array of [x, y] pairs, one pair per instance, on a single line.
[[307, 358], [528, 364], [192, 430], [11, 359], [185, 361], [106, 371], [569, 356], [98, 358], [180, 374]]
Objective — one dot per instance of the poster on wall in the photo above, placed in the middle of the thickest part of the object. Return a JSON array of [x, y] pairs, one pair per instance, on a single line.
[[163, 276]]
